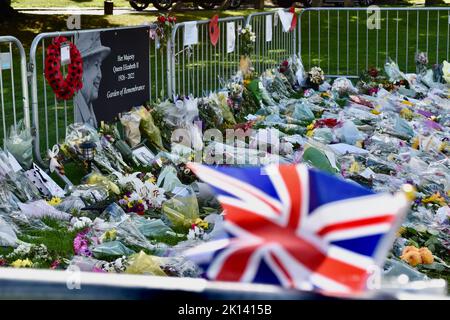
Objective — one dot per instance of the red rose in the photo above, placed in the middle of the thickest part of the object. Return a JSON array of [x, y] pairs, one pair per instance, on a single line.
[[174, 19], [162, 19], [170, 19], [329, 122], [373, 72], [285, 63]]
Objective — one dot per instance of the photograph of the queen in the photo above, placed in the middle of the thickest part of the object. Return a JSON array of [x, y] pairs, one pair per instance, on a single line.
[[93, 53]]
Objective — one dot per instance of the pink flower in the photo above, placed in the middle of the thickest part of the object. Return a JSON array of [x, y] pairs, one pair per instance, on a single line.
[[55, 264], [373, 91], [81, 245]]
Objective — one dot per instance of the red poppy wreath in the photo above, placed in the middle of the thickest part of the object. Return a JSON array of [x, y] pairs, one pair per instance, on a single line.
[[64, 88]]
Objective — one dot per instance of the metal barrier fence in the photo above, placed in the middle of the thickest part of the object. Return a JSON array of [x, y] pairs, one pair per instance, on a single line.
[[50, 116], [346, 41], [11, 71], [273, 44], [343, 41], [201, 68]]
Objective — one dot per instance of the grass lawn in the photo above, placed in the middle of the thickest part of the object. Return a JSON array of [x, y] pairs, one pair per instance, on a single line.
[[339, 48], [99, 3], [65, 3]]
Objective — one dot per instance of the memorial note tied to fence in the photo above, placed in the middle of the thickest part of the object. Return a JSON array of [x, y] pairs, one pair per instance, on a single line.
[[115, 73]]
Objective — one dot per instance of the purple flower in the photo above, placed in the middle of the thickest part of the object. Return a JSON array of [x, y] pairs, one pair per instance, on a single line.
[[81, 245]]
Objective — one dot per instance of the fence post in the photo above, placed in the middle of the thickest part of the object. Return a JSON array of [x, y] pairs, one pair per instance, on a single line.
[[23, 78], [169, 68]]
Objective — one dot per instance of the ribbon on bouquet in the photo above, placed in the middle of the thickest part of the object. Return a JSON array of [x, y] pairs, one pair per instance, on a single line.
[[54, 163]]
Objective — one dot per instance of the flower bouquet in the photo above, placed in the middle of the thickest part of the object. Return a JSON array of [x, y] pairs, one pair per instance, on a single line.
[[286, 69], [421, 62], [247, 44], [164, 25], [315, 78]]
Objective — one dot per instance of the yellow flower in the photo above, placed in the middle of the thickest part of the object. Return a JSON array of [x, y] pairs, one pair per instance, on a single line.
[[152, 180], [408, 103], [355, 167], [201, 223], [310, 133], [436, 199], [311, 126], [401, 231], [444, 145], [19, 263], [110, 234], [406, 114], [376, 111], [130, 205], [359, 143], [415, 143], [54, 201]]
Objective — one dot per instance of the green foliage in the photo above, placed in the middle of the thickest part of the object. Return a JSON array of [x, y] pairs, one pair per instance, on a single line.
[[57, 239]]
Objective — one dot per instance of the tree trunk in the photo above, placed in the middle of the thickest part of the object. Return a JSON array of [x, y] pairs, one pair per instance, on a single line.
[[348, 3], [259, 4]]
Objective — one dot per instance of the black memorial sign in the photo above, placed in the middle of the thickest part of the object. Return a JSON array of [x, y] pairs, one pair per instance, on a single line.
[[115, 73]]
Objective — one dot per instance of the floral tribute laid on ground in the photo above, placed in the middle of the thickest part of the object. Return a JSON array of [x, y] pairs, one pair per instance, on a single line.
[[139, 207]]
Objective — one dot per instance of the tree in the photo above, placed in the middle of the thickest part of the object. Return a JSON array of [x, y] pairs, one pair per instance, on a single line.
[[5, 9]]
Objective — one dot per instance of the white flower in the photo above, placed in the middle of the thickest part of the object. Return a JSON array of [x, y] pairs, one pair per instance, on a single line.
[[134, 197], [195, 233], [80, 223], [154, 194], [286, 148], [22, 250], [342, 86]]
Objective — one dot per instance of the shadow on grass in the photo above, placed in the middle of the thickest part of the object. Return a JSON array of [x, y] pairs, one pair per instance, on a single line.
[[27, 26]]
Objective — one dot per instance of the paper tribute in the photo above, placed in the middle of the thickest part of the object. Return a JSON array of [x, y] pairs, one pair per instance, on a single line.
[[65, 55], [190, 33], [231, 37], [286, 19], [5, 60], [44, 182], [268, 28]]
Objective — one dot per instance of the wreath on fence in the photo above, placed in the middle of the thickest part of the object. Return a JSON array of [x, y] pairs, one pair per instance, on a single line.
[[64, 89]]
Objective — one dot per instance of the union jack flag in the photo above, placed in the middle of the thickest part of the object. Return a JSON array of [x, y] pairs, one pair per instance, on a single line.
[[297, 227]]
